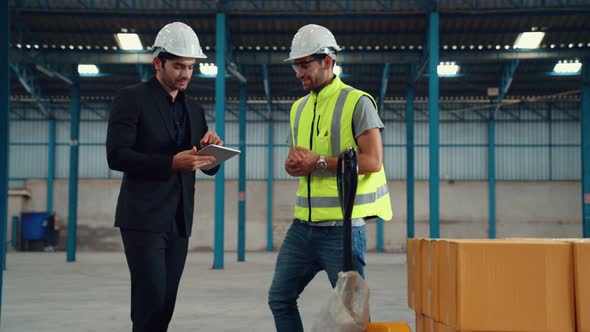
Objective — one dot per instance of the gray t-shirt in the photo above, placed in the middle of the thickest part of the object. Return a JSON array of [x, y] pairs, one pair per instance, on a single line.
[[364, 117]]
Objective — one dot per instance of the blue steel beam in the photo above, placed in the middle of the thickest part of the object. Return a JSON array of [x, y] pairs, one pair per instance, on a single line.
[[29, 81], [35, 56], [433, 133], [481, 7], [382, 93], [409, 33], [506, 80], [585, 124], [4, 137], [52, 73], [221, 46], [410, 160], [242, 175], [144, 72], [73, 177], [51, 163], [252, 57], [269, 157], [492, 176]]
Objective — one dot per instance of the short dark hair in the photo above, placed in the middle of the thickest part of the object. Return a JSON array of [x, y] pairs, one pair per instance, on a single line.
[[163, 56], [321, 57]]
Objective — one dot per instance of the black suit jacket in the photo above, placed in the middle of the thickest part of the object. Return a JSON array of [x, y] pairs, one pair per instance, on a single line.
[[141, 144]]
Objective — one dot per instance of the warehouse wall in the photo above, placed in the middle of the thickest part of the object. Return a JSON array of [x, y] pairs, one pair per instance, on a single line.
[[535, 209], [542, 145]]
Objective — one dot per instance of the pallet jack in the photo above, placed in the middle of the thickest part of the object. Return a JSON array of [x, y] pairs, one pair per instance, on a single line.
[[347, 180]]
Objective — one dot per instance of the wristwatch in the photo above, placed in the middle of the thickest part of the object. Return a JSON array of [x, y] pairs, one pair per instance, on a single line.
[[321, 164]]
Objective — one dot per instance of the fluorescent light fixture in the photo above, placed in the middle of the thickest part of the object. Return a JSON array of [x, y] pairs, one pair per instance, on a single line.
[[88, 70], [337, 70], [208, 69], [128, 41], [567, 67], [529, 40], [447, 69]]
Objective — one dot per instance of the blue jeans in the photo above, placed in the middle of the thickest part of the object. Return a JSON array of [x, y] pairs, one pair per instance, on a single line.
[[307, 250]]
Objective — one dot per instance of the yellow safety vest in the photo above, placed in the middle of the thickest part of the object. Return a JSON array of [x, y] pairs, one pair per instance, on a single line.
[[322, 122]]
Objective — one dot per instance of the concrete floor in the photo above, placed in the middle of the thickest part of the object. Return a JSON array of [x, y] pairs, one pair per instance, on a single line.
[[41, 292]]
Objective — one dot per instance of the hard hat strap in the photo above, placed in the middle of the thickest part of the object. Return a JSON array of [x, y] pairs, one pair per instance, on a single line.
[[157, 51]]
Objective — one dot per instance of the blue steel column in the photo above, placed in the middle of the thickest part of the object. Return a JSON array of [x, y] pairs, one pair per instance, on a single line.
[[270, 162], [384, 80], [433, 87], [220, 46], [585, 110], [492, 175], [242, 177], [4, 109], [51, 163], [410, 160], [73, 178]]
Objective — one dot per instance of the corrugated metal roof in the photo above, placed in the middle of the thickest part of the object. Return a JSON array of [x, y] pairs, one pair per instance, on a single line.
[[477, 34]]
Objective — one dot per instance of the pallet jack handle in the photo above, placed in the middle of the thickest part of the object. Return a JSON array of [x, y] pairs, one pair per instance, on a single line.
[[347, 180]]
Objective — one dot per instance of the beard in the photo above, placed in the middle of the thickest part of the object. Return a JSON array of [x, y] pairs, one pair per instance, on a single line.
[[176, 84]]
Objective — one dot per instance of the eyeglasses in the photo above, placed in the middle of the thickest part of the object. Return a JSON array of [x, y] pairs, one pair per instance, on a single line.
[[303, 65]]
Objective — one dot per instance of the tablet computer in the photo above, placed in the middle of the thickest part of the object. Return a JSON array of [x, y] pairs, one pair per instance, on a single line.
[[221, 153]]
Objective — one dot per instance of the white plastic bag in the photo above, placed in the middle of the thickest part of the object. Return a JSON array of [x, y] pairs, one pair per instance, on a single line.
[[347, 309]]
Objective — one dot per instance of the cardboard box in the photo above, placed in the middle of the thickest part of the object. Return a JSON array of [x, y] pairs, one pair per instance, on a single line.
[[501, 285], [419, 322], [447, 267], [414, 275], [581, 251], [440, 327], [429, 278], [582, 284], [429, 324]]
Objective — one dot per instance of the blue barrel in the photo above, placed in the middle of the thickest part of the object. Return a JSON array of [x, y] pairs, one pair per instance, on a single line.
[[33, 225]]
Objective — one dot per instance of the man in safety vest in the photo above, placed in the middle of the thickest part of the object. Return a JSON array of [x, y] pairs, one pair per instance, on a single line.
[[332, 117]]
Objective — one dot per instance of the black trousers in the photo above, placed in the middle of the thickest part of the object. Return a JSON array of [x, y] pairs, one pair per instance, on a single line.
[[156, 262]]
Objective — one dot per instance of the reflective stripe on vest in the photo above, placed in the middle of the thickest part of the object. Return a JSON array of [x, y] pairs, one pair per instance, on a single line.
[[334, 202]]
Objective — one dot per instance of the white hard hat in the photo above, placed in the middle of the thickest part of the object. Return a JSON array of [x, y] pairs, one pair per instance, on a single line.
[[312, 39], [179, 39]]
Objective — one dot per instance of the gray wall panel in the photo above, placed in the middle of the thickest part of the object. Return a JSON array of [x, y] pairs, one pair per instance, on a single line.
[[514, 163], [29, 131], [534, 149], [27, 161]]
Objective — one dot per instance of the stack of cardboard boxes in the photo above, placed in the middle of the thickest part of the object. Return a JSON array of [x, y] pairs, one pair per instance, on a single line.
[[510, 285]]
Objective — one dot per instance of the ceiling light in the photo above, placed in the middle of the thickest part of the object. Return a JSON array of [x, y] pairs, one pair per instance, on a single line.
[[447, 69], [128, 41], [337, 70], [567, 67], [529, 40], [88, 70], [208, 69]]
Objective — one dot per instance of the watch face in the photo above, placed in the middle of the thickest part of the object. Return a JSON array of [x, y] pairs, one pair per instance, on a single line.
[[321, 163]]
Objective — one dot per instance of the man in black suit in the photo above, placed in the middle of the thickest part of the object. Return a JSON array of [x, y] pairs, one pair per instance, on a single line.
[[153, 135]]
